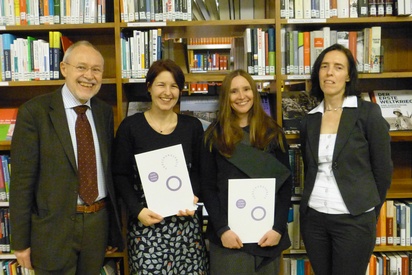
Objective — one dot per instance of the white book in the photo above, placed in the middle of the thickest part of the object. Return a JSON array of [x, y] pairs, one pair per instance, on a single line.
[[93, 11], [283, 50], [375, 50], [261, 51], [155, 45], [134, 53], [246, 10], [9, 12], [326, 37], [359, 51], [407, 7], [408, 225], [343, 8], [189, 10], [343, 38], [128, 59], [353, 8], [316, 45], [130, 16], [299, 9], [295, 52], [327, 9], [307, 8], [296, 227]]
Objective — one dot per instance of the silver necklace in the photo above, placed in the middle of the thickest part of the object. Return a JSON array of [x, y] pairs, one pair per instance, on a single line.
[[157, 125], [333, 109]]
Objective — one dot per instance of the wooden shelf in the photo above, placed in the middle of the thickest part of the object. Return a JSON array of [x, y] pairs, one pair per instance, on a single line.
[[400, 189], [399, 136]]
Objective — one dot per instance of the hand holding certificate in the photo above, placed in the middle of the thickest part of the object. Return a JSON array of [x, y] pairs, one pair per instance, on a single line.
[[165, 179], [251, 207]]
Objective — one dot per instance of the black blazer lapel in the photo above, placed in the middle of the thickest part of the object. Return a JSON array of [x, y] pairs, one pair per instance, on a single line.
[[313, 134], [346, 124], [59, 121]]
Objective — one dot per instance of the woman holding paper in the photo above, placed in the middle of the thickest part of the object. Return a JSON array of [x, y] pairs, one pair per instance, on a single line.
[[347, 157], [159, 244], [244, 143]]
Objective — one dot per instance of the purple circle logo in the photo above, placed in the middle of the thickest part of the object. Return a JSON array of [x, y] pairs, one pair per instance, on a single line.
[[173, 183], [240, 203], [153, 176], [258, 213]]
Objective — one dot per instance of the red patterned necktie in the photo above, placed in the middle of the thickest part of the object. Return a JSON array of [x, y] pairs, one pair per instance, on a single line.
[[86, 157]]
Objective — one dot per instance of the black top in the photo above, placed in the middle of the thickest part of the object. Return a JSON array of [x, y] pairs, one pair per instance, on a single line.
[[136, 136], [216, 171]]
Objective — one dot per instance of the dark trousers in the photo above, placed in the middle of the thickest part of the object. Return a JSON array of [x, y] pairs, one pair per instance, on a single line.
[[88, 246], [338, 244]]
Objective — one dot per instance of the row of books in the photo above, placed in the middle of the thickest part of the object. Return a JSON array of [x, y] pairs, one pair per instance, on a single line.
[[155, 10], [300, 49], [397, 263], [324, 9], [229, 9], [5, 172], [139, 50], [29, 58], [5, 230], [207, 61], [12, 267], [45, 12], [392, 229], [394, 224]]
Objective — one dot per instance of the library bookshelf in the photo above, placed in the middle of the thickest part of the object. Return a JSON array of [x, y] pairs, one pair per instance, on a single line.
[[118, 91]]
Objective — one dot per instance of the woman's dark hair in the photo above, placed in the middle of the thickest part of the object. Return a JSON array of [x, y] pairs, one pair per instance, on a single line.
[[165, 65], [350, 88]]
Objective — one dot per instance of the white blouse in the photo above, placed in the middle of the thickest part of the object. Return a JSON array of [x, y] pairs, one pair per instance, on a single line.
[[326, 197]]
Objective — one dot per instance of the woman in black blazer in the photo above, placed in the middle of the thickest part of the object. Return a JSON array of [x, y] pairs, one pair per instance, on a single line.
[[348, 168]]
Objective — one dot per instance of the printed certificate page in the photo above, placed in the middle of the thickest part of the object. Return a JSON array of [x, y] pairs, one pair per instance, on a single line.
[[251, 207], [165, 180]]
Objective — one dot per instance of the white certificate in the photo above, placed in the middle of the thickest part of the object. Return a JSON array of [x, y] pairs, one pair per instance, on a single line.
[[251, 207], [165, 180]]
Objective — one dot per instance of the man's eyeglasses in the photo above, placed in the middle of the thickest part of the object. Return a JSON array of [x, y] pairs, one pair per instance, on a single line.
[[83, 69]]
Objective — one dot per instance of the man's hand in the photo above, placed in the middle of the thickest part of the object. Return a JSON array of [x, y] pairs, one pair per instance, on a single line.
[[23, 258], [271, 238], [231, 240], [148, 217]]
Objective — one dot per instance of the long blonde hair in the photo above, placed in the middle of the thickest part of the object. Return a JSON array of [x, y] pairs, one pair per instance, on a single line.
[[225, 132]]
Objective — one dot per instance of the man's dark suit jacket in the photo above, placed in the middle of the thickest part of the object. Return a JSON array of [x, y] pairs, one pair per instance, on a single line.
[[44, 183], [361, 162]]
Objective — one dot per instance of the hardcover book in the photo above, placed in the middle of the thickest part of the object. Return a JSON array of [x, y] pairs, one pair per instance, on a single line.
[[295, 105], [7, 121], [396, 106]]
